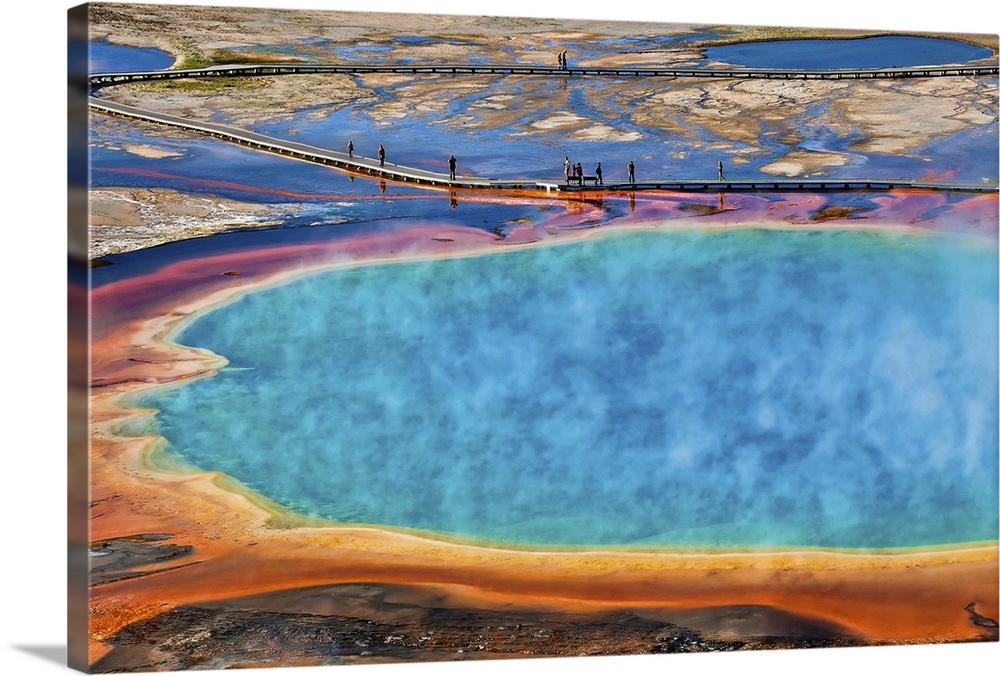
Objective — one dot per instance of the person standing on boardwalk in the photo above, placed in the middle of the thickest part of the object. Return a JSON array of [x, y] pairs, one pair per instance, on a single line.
[[599, 174], [451, 166], [721, 177], [381, 155], [350, 149], [579, 172], [566, 167], [631, 172]]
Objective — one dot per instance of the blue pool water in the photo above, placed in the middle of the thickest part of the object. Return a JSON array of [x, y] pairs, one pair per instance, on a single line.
[[884, 51], [751, 387], [104, 57]]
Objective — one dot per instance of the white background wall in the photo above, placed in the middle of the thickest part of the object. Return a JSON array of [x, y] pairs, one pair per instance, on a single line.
[[32, 316]]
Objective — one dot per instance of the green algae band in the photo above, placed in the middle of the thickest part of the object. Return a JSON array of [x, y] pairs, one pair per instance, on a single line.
[[740, 388]]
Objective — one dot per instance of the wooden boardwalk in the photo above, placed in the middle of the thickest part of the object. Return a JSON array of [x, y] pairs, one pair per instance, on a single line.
[[301, 151], [395, 172], [98, 80]]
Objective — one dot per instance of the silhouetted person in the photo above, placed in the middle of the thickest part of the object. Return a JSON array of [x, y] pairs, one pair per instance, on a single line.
[[721, 177], [566, 167], [600, 174], [451, 166], [579, 172], [381, 155], [631, 172], [350, 149]]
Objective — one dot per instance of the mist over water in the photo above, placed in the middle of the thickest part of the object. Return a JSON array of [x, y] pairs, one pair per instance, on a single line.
[[749, 387]]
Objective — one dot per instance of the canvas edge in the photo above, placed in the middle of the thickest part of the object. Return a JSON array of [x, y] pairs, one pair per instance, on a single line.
[[77, 339]]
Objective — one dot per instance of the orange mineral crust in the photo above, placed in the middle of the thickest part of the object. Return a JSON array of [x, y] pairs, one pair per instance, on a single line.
[[167, 536]]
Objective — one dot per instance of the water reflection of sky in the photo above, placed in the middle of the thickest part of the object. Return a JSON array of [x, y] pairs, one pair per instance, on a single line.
[[104, 57], [883, 51], [519, 147], [522, 149]]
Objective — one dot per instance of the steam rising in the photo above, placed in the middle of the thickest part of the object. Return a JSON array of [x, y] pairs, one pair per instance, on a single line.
[[833, 389]]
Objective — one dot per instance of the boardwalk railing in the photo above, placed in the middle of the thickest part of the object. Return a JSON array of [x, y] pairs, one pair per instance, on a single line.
[[248, 70], [395, 172]]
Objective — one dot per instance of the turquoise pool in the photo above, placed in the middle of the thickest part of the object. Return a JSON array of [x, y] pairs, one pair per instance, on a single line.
[[640, 388]]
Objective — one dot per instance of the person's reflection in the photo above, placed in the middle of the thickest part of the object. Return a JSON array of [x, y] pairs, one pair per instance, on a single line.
[[381, 186], [722, 204], [631, 201], [454, 200]]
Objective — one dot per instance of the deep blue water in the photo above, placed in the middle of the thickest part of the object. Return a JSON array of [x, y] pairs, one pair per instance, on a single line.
[[105, 57], [884, 51], [832, 389]]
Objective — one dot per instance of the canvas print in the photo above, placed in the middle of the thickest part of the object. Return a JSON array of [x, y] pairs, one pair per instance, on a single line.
[[416, 338]]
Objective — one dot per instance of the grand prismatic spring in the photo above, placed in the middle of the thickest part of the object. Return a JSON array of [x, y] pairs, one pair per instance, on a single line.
[[339, 418]]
